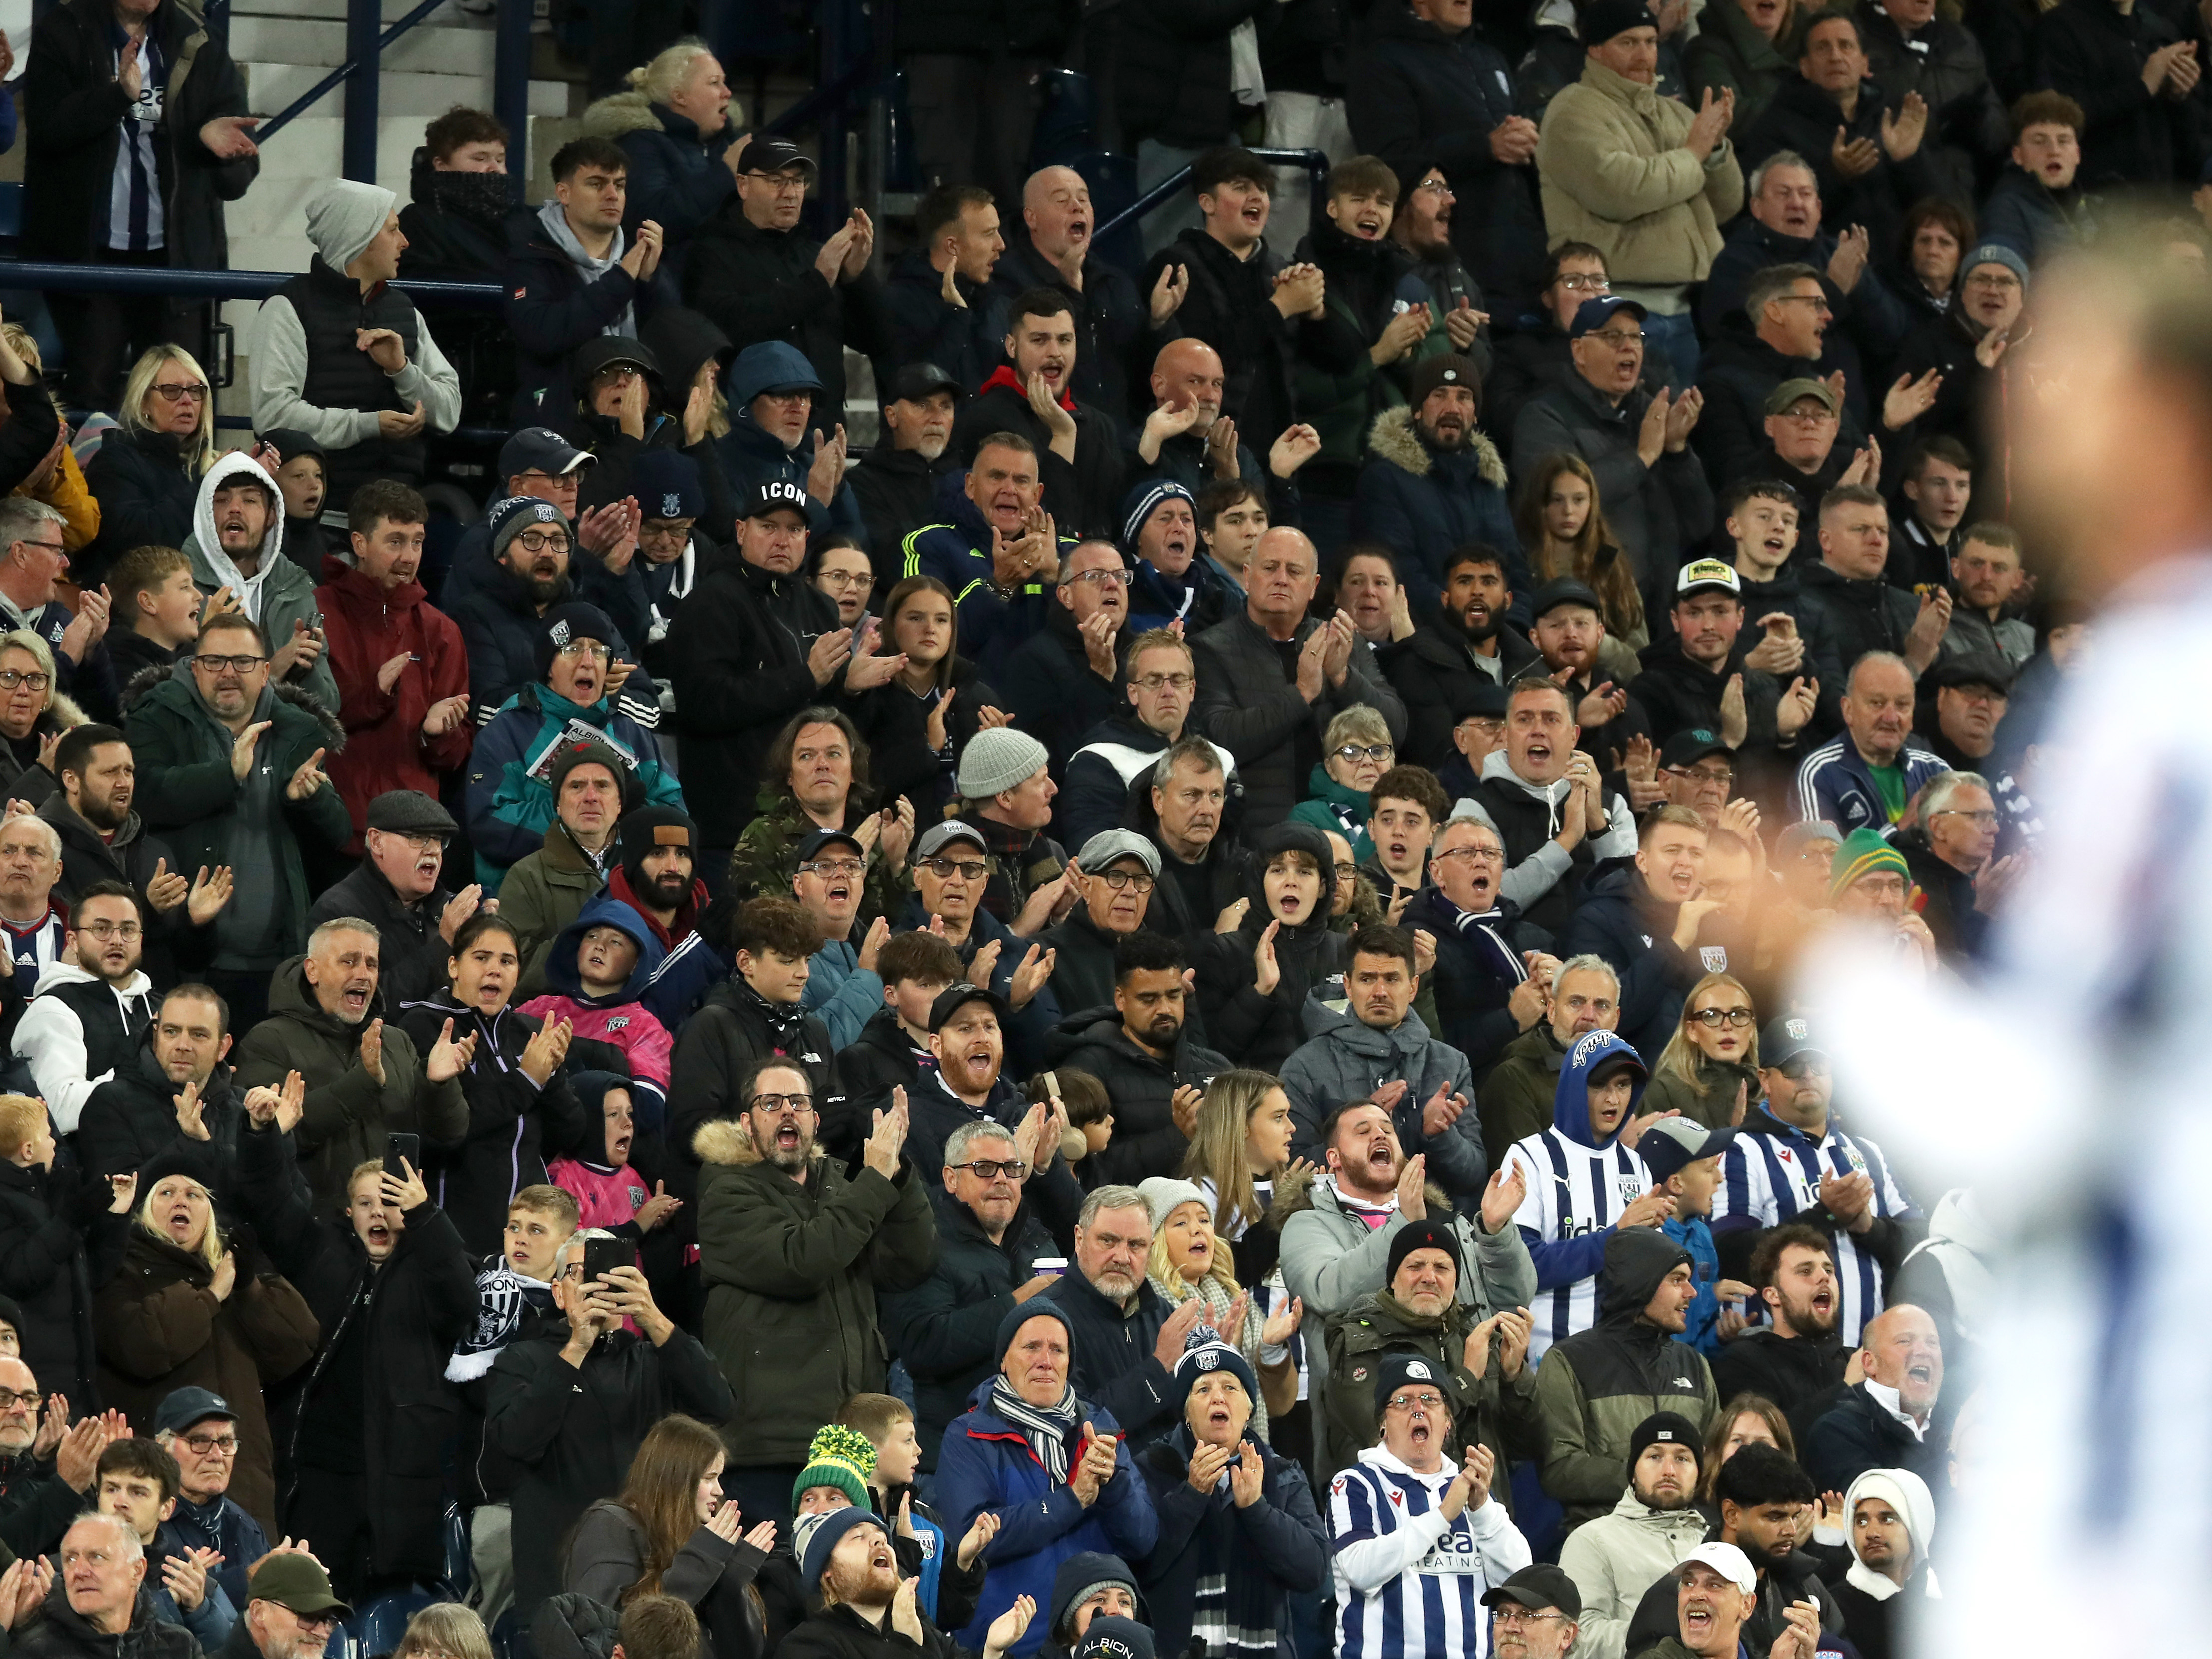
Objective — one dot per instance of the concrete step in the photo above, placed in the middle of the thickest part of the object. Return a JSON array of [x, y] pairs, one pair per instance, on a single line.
[[417, 93], [309, 41]]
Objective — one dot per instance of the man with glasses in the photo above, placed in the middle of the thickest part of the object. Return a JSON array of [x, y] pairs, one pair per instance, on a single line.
[[1422, 226], [198, 1428], [84, 1022], [1951, 855], [1536, 1615], [1794, 1161], [32, 560], [230, 771], [237, 550], [539, 462], [1061, 681], [291, 1610], [1162, 684], [1418, 1541], [769, 1208], [1493, 971], [1530, 359], [402, 888], [1114, 876], [951, 870]]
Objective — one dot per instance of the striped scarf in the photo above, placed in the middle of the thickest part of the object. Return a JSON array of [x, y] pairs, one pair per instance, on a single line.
[[1048, 1429]]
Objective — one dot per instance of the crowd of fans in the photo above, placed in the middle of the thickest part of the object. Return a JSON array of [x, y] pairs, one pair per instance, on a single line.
[[1152, 1017]]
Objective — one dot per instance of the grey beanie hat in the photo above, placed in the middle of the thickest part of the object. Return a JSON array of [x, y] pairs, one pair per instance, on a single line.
[[1996, 253], [999, 759], [346, 218]]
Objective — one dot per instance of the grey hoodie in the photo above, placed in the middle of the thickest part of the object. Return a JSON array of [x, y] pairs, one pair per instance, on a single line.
[[1615, 1558], [278, 593], [1342, 1060], [1537, 874]]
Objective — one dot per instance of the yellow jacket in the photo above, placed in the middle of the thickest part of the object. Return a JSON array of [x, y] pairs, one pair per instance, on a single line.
[[67, 494]]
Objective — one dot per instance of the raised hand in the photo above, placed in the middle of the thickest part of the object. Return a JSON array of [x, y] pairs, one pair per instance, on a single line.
[[1649, 1210], [1779, 650], [449, 1058], [829, 653], [978, 1537], [1267, 973], [1292, 448], [1909, 399], [1168, 294], [384, 346], [543, 1054], [1735, 719], [1901, 132], [1098, 1466], [1463, 323], [1442, 1110], [657, 1209], [307, 778], [1185, 1103], [1175, 1331], [1797, 705], [372, 1051], [888, 1138], [1652, 432], [1502, 1198], [1413, 1191], [1206, 1463], [164, 889], [725, 1521], [242, 750], [1854, 157], [1848, 263], [1010, 1626], [225, 1276], [1710, 123], [1030, 977], [190, 1109], [405, 1190]]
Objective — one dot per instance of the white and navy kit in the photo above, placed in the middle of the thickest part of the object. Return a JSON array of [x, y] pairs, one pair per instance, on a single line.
[[1409, 1583], [1771, 1174], [134, 191], [1576, 1194]]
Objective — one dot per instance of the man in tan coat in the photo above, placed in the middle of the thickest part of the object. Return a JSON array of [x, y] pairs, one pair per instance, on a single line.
[[1640, 177]]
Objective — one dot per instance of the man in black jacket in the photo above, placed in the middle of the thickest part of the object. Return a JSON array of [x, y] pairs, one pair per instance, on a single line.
[[2135, 75], [1125, 1338], [916, 968], [1465, 642], [1884, 1422], [1078, 448], [1698, 675], [897, 482], [174, 1096], [1052, 248], [98, 1604], [1796, 1359], [399, 887], [940, 297], [118, 121], [759, 277], [1061, 680]]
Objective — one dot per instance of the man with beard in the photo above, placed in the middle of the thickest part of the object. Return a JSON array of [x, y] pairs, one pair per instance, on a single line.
[[400, 889], [1455, 650], [1150, 1060], [399, 664], [1702, 676], [1432, 482], [897, 482], [1079, 447], [1493, 971], [1972, 693], [1890, 1521], [1515, 1101], [1865, 777], [1061, 680], [1885, 1420], [229, 764], [1170, 585], [966, 1084], [1615, 1559], [1798, 1357], [1187, 437], [1637, 442], [1761, 1494], [1418, 1538], [1053, 249], [237, 547], [791, 1238], [1422, 226], [173, 1095], [1835, 1181], [1567, 626], [1986, 568], [1548, 798], [1101, 776], [356, 1080], [860, 1609], [84, 1021]]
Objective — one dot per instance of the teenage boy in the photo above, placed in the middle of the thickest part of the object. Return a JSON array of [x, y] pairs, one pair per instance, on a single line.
[[1761, 519], [138, 1483], [1232, 516]]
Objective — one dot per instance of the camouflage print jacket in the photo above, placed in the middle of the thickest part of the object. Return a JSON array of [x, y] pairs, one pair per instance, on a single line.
[[766, 858]]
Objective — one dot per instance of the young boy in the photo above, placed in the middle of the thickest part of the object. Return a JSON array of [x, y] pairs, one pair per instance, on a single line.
[[39, 1194], [1683, 1157], [887, 1422], [609, 1193], [598, 969], [138, 1483]]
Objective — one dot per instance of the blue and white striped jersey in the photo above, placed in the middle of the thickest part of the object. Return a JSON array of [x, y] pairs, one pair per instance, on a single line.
[[1576, 1193], [1771, 1174], [1409, 1583]]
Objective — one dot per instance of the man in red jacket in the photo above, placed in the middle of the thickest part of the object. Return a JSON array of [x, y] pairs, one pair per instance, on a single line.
[[402, 670]]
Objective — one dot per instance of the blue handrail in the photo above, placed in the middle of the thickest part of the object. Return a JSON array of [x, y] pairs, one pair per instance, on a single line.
[[212, 284], [1313, 161]]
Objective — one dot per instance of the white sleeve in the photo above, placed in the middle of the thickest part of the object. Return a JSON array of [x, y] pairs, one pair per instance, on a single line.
[[1535, 1212], [430, 378], [1373, 1562], [52, 1038], [280, 375], [1504, 1548]]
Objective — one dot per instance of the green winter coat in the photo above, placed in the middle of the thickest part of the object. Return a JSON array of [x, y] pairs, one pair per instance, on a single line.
[[1730, 53], [541, 895], [1323, 792], [767, 858], [187, 792], [792, 1272], [1714, 1105]]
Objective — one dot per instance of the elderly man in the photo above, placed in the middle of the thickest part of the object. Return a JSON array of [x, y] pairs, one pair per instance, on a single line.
[[1061, 682], [1126, 1338], [1534, 1614], [1481, 1359], [1596, 1386], [1637, 442], [1170, 582], [1864, 779], [197, 1427], [1052, 248], [1547, 797], [1432, 482], [229, 769], [45, 1475], [1115, 877], [291, 1613], [1186, 438], [1951, 853], [1646, 181], [1882, 1421], [1515, 1101], [96, 1605], [1000, 554], [1417, 1536], [896, 483], [1832, 1180], [545, 891], [1613, 1559], [1052, 1466], [237, 545], [1270, 706], [1971, 694], [364, 1079], [1104, 790], [401, 888], [989, 1238], [34, 925], [1782, 225], [1493, 971]]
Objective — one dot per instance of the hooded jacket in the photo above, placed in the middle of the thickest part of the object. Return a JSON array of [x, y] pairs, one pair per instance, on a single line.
[[677, 175], [58, 1238], [554, 305], [1343, 1059], [1597, 1386], [279, 594], [1622, 920], [1263, 1029], [348, 1113], [1422, 501], [1546, 883], [510, 808], [1875, 1606], [1616, 1557], [366, 625], [751, 455], [78, 1030], [1142, 1086], [619, 1018], [1578, 1185], [791, 1271]]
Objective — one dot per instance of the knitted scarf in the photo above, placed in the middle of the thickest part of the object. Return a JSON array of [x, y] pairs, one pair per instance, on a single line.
[[1478, 930], [1050, 1430], [1213, 1296], [505, 1300]]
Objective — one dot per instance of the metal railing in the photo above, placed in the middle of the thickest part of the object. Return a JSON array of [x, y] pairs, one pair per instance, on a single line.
[[1313, 161], [186, 284]]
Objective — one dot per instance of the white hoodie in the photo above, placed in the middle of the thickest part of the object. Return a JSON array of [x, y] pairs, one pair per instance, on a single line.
[[247, 590], [50, 1036]]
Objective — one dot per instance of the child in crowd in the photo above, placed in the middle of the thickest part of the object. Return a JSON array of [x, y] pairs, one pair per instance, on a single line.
[[598, 970], [1089, 1117], [947, 1587], [1683, 1157]]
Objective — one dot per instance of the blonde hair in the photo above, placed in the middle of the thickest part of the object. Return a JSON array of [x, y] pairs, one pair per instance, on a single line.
[[548, 1200], [199, 448], [21, 1120], [22, 639], [210, 1245], [1682, 1058], [1218, 1149], [1165, 1273], [448, 1628], [669, 70], [368, 1166]]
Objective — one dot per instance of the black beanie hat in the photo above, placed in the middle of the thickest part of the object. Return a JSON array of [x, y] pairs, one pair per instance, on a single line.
[[650, 827], [1421, 1236], [1666, 1426]]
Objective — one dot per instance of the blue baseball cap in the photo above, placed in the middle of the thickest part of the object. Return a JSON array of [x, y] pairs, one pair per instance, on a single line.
[[1591, 314]]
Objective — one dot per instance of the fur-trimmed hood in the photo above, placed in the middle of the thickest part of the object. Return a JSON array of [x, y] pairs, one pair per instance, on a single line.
[[334, 732], [1396, 439], [729, 1142], [625, 111]]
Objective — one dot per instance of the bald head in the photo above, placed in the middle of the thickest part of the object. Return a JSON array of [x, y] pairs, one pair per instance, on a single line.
[[1189, 372], [1281, 581], [1056, 207], [1900, 1349]]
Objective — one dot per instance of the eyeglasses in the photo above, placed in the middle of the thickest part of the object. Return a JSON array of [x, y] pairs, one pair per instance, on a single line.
[[10, 1400], [846, 578], [575, 650], [1806, 1066], [778, 1104], [616, 374], [1427, 1401], [1711, 1018], [421, 843], [12, 677], [212, 1445], [1621, 336], [1172, 682], [2000, 282], [664, 530], [1352, 753], [1812, 417], [1484, 854], [51, 547], [1512, 1612], [1102, 578], [1818, 300], [208, 665], [1705, 774], [834, 867], [1983, 819], [1432, 187], [990, 1169], [106, 930], [1134, 881], [536, 541], [178, 394], [946, 869], [1586, 284], [782, 183]]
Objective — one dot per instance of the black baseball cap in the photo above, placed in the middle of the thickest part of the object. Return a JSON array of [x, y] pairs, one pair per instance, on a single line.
[[1564, 591], [768, 154], [182, 1407], [1692, 745], [1673, 1144], [1592, 315], [1785, 1037], [953, 998], [811, 848], [783, 495], [917, 380], [541, 449], [1538, 1585]]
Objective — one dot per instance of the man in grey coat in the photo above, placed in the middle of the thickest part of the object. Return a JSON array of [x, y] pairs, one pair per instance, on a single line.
[[1338, 1234], [1272, 678]]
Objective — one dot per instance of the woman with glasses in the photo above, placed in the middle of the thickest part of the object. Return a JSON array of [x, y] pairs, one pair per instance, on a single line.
[[1709, 1070], [33, 715], [1253, 982], [145, 473], [917, 725], [192, 1307], [1356, 750]]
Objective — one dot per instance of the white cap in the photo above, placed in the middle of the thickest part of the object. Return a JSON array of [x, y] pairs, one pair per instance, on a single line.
[[1726, 1560]]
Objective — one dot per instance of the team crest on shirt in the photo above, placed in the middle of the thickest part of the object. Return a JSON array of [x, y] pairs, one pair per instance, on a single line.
[[1858, 1162], [1627, 1190], [617, 1024], [1715, 957]]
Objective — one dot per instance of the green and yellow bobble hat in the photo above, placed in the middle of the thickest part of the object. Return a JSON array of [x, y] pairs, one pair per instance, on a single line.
[[840, 1457], [1863, 853]]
